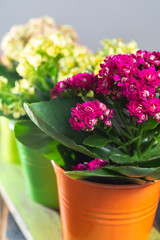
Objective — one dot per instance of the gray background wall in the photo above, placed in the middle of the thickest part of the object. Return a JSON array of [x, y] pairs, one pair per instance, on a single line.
[[92, 19]]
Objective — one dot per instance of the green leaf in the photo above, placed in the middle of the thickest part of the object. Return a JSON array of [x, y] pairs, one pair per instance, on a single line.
[[31, 136], [12, 76], [150, 124], [157, 139], [129, 142], [154, 152], [104, 175], [132, 126], [123, 158], [105, 152], [97, 140], [154, 176], [100, 172], [53, 118], [132, 171], [120, 130], [151, 162]]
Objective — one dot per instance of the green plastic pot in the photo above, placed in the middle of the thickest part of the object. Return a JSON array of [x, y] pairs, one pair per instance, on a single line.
[[39, 177], [9, 150]]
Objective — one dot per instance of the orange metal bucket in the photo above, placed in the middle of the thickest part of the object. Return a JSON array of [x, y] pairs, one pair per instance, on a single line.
[[95, 211]]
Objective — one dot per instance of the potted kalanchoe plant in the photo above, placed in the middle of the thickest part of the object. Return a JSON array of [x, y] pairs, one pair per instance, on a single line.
[[111, 188], [12, 45], [42, 54]]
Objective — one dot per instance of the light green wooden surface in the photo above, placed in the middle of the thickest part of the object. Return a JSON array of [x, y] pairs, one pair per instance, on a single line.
[[35, 221], [155, 235]]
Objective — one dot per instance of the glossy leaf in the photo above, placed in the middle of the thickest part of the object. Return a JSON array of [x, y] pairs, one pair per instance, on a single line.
[[31, 136], [150, 124], [123, 158], [154, 176], [97, 140], [104, 175], [48, 117], [154, 152], [132, 171], [150, 162]]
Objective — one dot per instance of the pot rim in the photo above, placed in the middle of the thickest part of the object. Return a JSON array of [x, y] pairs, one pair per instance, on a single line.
[[104, 185]]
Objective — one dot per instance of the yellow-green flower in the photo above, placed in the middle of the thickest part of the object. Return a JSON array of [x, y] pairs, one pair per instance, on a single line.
[[13, 97], [112, 47], [15, 40], [57, 56], [5, 109], [18, 111], [15, 109], [23, 86], [18, 36], [117, 46]]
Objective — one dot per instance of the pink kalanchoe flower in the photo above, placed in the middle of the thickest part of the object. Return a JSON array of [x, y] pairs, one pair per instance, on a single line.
[[92, 165], [115, 71], [136, 79], [76, 84], [146, 92], [153, 106], [138, 110], [157, 116], [86, 115], [150, 59], [143, 109], [62, 85], [150, 77]]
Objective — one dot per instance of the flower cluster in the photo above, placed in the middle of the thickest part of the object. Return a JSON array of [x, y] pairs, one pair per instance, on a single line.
[[86, 115], [12, 98], [77, 60], [68, 31], [23, 87], [39, 50], [117, 46], [42, 53], [135, 77], [82, 82], [15, 40], [92, 165], [54, 56], [60, 49], [13, 110], [112, 47]]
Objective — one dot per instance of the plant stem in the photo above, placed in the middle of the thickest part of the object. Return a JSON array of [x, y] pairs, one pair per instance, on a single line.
[[118, 142], [152, 142], [138, 147], [56, 75], [45, 85]]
